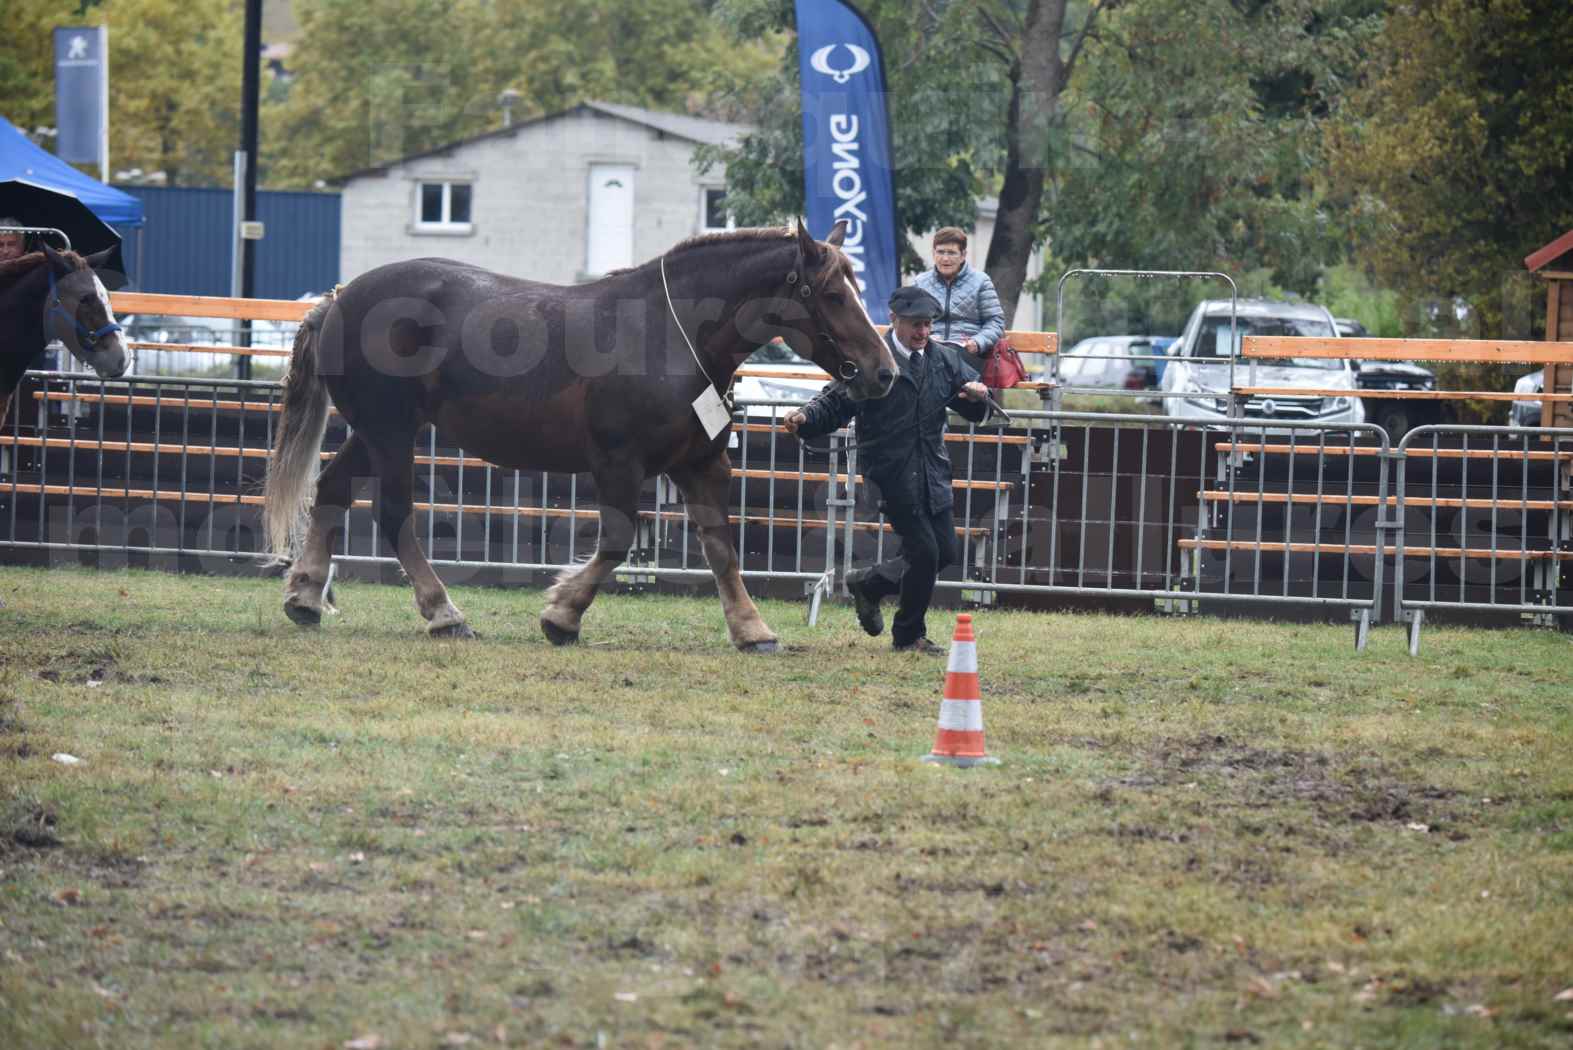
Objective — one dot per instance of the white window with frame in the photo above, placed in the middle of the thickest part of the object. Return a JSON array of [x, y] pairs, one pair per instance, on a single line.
[[713, 216], [443, 206]]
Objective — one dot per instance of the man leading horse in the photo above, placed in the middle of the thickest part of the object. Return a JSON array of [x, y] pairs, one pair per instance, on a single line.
[[901, 443]]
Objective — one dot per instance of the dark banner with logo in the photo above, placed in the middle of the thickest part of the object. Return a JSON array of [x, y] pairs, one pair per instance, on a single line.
[[81, 93], [846, 143]]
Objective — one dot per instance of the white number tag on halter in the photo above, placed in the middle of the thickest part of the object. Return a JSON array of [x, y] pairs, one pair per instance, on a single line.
[[712, 411]]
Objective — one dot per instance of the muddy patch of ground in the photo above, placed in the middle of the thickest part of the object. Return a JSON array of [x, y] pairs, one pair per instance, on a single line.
[[1344, 789]]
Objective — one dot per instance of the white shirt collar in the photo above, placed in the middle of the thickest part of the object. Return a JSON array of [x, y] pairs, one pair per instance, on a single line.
[[901, 348]]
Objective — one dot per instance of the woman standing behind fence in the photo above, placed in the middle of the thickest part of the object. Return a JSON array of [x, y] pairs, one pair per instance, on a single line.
[[970, 307]]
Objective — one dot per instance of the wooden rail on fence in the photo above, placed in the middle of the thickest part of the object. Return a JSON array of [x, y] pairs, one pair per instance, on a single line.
[[248, 500], [1488, 351], [1475, 351], [295, 310], [210, 306]]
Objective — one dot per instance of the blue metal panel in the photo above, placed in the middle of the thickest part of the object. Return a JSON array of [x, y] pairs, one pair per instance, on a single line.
[[300, 253], [185, 247]]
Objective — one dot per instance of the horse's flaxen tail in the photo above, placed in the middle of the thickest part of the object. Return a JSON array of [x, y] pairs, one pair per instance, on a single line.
[[292, 467]]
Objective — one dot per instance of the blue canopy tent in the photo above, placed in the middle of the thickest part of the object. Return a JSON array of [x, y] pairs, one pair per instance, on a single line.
[[23, 161]]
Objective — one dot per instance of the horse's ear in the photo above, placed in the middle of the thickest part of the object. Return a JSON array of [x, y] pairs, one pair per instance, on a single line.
[[807, 247], [57, 262], [114, 280], [838, 234]]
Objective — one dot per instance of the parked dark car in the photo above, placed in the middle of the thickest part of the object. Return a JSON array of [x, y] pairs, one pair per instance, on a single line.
[[1397, 416]]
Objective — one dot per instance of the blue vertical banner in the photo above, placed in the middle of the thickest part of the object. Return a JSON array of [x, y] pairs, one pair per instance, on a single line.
[[846, 143], [82, 94]]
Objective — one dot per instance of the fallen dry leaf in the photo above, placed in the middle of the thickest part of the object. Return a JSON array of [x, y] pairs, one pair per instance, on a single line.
[[1262, 988], [457, 1039], [65, 759], [1564, 996], [66, 898], [366, 1042]]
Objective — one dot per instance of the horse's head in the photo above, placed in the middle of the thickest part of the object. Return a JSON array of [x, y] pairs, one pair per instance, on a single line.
[[845, 342], [77, 312]]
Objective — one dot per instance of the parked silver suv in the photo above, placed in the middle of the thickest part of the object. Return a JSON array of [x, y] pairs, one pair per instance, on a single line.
[[1198, 367]]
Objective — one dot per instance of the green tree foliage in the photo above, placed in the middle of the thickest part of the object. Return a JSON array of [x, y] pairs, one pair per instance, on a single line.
[[368, 90], [175, 78], [1456, 152], [1455, 155], [1195, 136], [27, 83], [375, 80], [956, 80], [1127, 133]]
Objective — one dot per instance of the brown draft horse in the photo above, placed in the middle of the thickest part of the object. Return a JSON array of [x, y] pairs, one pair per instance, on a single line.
[[56, 295], [602, 377]]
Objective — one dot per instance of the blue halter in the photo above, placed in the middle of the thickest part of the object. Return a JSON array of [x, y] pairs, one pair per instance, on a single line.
[[84, 336]]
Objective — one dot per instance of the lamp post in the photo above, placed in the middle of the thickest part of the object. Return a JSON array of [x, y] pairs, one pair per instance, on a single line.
[[243, 274]]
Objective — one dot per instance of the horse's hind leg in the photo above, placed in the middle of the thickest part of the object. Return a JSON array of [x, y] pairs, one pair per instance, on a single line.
[[394, 461], [304, 600], [618, 492], [706, 487]]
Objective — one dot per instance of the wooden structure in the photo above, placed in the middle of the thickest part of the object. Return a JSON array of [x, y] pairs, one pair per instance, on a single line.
[[1554, 264]]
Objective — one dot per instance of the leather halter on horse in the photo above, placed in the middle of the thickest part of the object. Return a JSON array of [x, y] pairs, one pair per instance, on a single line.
[[85, 337], [848, 370]]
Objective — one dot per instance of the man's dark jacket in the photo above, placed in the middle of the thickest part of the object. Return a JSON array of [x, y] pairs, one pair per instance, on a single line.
[[900, 437]]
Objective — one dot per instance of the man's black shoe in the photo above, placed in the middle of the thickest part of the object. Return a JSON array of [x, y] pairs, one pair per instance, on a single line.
[[869, 616], [920, 644]]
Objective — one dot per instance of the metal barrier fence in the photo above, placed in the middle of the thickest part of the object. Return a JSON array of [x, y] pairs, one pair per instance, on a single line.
[[168, 472], [1132, 511], [1140, 512], [1514, 487]]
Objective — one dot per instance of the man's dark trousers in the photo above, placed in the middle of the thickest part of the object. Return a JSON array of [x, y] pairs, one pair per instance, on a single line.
[[928, 543]]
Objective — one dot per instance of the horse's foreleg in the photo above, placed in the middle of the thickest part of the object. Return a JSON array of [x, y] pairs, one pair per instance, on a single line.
[[304, 600], [618, 491], [706, 488], [395, 466]]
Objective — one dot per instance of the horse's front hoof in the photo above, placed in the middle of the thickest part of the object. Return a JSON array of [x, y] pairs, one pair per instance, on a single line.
[[459, 630], [302, 614], [557, 635], [768, 646]]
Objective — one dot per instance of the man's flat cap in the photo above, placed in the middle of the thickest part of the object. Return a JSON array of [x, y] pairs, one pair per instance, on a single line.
[[914, 303]]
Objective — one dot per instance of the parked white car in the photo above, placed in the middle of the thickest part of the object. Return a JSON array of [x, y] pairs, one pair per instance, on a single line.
[[776, 356], [1526, 407], [1115, 362], [1198, 367]]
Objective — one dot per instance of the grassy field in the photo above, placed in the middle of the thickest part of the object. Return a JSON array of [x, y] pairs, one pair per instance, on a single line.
[[1204, 833]]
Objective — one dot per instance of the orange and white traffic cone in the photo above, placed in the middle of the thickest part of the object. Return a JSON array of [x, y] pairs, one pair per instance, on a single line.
[[959, 739]]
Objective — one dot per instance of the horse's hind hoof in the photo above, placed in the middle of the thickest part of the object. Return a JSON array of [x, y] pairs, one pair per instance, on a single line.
[[556, 635], [460, 630], [304, 615], [771, 646]]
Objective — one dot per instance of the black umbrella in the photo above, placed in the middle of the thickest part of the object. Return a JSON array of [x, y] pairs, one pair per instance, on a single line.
[[37, 205]]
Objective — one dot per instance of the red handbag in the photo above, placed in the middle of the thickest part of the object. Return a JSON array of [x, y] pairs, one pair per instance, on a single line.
[[1002, 368]]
